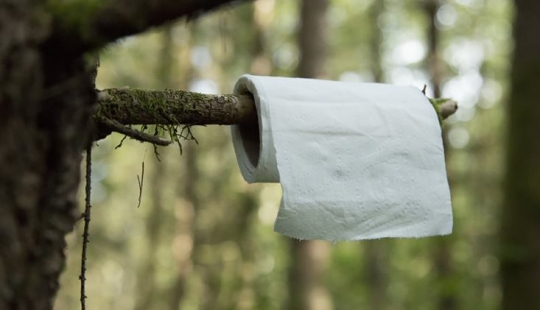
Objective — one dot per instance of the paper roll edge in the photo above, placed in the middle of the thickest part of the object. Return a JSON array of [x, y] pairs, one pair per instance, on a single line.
[[253, 143]]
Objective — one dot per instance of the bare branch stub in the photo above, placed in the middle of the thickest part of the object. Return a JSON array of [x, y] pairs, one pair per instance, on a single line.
[[448, 108]]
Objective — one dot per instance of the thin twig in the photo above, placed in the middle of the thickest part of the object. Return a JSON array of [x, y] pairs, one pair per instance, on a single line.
[[132, 133], [140, 180], [86, 217]]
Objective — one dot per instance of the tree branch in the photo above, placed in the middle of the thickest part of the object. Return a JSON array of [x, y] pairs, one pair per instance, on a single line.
[[85, 25], [174, 107]]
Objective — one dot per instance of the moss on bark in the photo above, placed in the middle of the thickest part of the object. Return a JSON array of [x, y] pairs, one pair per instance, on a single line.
[[174, 107]]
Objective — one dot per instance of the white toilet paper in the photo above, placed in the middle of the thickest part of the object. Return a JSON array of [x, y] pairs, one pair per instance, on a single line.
[[355, 161]]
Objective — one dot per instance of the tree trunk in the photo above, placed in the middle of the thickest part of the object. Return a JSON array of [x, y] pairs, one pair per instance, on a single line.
[[376, 251], [184, 244], [520, 228], [442, 252], [146, 275], [146, 280], [309, 259], [46, 103]]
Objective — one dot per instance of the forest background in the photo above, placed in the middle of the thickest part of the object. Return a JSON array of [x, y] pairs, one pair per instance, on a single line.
[[202, 238]]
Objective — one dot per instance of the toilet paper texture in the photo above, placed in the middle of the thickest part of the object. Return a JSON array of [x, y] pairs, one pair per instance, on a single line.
[[355, 161]]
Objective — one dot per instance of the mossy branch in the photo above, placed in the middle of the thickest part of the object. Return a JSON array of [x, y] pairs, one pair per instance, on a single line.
[[173, 108], [85, 25], [131, 106]]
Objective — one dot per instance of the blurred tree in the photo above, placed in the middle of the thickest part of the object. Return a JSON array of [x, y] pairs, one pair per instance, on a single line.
[[442, 260], [261, 64], [184, 243], [376, 251], [146, 278], [309, 259], [146, 273], [520, 218], [218, 221]]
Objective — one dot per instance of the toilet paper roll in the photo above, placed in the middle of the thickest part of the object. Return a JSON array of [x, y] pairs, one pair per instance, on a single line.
[[355, 161]]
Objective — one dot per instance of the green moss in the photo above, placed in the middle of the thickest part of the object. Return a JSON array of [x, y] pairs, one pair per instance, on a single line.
[[75, 15], [156, 105]]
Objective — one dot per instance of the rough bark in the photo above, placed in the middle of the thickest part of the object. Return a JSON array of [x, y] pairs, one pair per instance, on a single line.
[[47, 98], [520, 229], [44, 126], [171, 107], [309, 259]]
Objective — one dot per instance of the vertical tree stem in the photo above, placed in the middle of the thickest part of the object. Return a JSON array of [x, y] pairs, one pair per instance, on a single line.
[[86, 217]]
